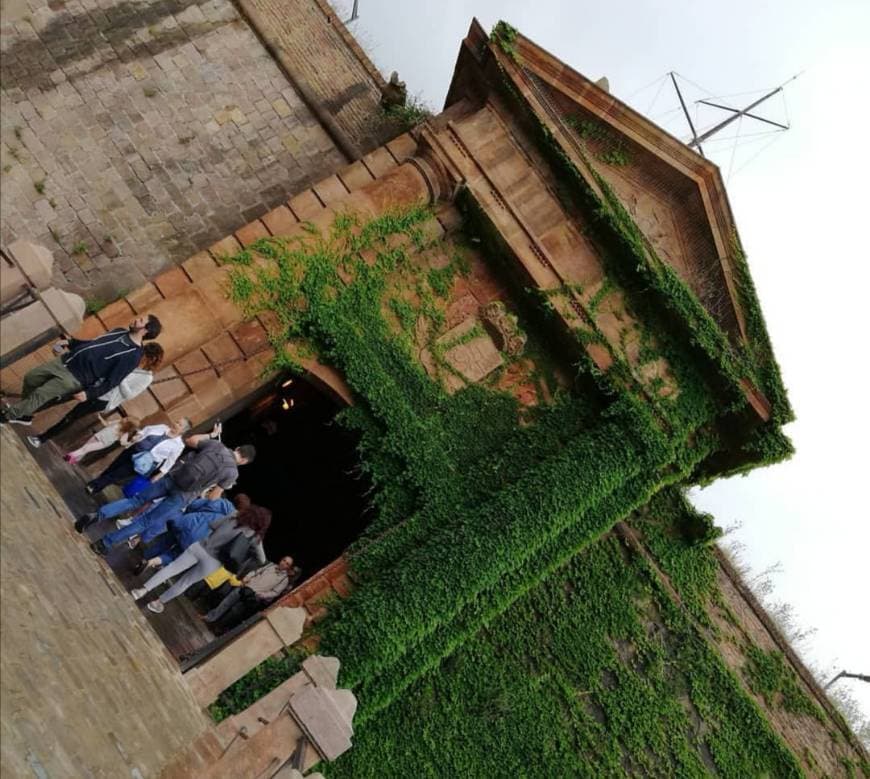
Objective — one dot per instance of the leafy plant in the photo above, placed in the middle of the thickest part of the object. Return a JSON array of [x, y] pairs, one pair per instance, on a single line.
[[505, 37], [407, 116], [93, 305], [769, 676], [608, 147]]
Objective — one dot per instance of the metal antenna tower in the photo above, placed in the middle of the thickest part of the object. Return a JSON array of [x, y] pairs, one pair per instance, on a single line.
[[736, 113], [354, 14]]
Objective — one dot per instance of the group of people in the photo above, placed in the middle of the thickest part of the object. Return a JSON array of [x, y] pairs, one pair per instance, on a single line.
[[174, 482]]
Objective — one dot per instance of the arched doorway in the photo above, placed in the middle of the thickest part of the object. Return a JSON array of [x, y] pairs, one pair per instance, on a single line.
[[306, 472]]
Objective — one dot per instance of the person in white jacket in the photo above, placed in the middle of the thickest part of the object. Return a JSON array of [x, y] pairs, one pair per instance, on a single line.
[[133, 384], [164, 442]]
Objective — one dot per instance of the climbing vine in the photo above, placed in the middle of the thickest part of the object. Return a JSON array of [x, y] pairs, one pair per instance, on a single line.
[[597, 671], [488, 554], [769, 676], [660, 296], [609, 148]]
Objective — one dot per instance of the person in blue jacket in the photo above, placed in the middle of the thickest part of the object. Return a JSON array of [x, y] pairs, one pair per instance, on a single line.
[[88, 369], [186, 528]]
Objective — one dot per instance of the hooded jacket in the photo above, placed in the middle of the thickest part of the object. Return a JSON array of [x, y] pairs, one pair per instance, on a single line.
[[267, 582], [195, 523], [100, 365]]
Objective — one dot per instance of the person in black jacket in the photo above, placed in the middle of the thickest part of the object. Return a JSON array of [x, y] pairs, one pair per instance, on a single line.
[[88, 369]]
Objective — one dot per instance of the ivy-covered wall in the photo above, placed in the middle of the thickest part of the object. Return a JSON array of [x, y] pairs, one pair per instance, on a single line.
[[594, 672], [599, 671], [492, 606]]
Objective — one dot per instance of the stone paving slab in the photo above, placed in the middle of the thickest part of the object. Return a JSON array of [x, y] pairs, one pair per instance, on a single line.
[[135, 134], [87, 688]]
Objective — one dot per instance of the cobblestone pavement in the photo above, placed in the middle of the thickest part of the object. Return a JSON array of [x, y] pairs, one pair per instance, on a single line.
[[137, 133], [87, 688]]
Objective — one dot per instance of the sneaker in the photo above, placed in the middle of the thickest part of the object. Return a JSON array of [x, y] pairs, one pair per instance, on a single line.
[[85, 521], [139, 592], [133, 542], [156, 606], [24, 421], [98, 547], [119, 523], [35, 441]]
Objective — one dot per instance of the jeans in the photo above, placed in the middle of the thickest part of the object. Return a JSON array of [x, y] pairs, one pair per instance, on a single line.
[[151, 523], [241, 603], [45, 383], [120, 470], [165, 547]]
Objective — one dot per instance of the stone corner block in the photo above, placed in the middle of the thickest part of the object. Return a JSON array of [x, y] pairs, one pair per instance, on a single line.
[[66, 307], [35, 260], [21, 326], [287, 622], [325, 717], [323, 671]]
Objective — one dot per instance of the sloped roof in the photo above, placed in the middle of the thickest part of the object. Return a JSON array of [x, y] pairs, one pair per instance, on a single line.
[[676, 197]]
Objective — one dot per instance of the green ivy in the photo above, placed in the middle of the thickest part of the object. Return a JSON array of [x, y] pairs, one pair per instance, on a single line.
[[610, 148], [770, 677], [480, 506], [655, 289], [572, 680], [505, 37]]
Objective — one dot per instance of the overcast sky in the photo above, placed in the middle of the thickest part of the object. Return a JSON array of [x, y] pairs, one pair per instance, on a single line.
[[802, 211]]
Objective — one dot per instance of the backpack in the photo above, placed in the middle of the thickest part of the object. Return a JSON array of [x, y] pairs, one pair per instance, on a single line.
[[203, 468], [235, 553], [143, 463]]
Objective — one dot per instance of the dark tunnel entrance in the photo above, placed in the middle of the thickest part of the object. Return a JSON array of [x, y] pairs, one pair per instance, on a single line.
[[306, 471]]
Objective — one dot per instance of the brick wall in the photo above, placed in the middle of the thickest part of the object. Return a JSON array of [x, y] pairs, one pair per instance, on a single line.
[[669, 210], [319, 51]]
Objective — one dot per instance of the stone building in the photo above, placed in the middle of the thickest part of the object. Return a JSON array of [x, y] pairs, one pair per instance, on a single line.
[[535, 318]]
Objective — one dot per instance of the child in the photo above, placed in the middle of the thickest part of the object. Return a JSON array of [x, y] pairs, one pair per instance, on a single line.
[[121, 432]]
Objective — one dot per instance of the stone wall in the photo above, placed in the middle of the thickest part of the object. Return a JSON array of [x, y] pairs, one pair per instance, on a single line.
[[136, 134], [325, 63], [88, 689], [824, 744]]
